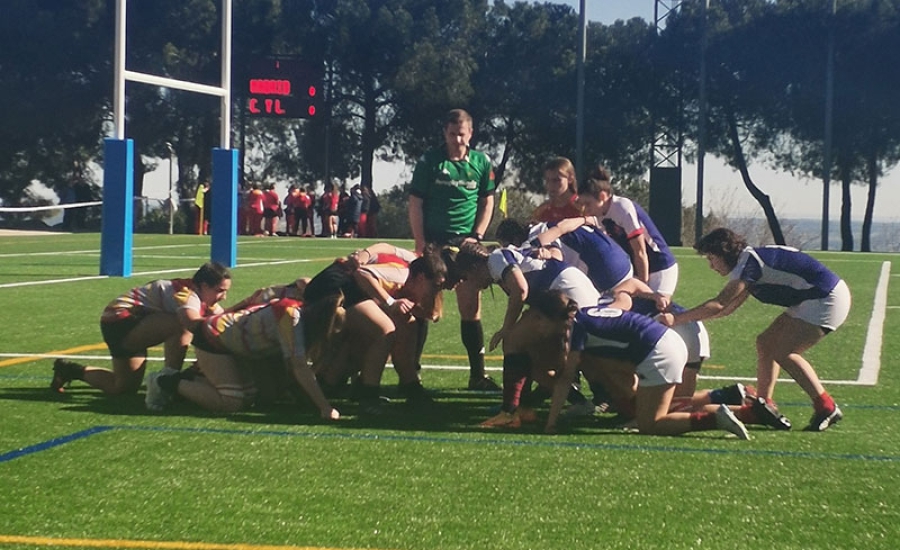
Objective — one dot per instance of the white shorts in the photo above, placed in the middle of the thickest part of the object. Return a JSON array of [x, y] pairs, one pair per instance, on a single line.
[[696, 339], [829, 312], [664, 281], [665, 363]]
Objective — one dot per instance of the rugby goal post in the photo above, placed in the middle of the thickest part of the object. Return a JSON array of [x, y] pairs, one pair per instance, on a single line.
[[117, 229]]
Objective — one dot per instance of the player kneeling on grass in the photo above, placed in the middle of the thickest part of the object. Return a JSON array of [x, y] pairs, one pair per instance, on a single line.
[[160, 312], [230, 346], [391, 295], [608, 339]]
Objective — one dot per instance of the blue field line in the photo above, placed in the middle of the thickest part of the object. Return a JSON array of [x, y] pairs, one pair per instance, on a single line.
[[55, 442], [426, 439]]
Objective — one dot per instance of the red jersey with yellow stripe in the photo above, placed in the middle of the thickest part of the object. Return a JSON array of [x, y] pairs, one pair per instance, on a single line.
[[259, 330], [391, 270], [160, 296]]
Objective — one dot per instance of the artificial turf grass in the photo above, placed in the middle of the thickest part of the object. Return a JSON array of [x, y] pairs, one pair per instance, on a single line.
[[407, 481]]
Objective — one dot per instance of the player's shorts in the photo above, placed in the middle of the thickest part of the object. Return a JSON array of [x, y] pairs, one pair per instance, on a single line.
[[331, 280], [665, 364], [829, 312], [696, 340], [445, 239], [114, 332], [664, 281]]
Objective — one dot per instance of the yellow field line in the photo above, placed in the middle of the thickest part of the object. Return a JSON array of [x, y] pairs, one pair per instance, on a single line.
[[148, 544], [28, 359], [101, 346], [459, 357]]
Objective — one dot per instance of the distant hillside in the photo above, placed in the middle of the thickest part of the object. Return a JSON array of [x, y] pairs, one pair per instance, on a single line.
[[806, 233]]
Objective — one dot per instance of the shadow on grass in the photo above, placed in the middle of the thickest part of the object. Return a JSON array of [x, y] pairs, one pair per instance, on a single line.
[[452, 411]]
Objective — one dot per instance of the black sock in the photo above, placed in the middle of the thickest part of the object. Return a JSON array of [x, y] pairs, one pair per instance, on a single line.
[[473, 340], [535, 397], [601, 395], [421, 336], [169, 382]]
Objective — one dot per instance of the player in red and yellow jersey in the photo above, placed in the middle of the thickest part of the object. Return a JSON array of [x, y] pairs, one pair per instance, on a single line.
[[234, 348], [159, 312], [390, 296]]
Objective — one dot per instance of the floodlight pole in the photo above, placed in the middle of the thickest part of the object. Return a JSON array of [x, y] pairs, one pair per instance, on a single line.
[[171, 187], [701, 127], [829, 107], [579, 117]]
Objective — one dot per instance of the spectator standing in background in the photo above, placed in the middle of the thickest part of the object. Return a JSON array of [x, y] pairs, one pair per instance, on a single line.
[[272, 211], [353, 212], [291, 205], [200, 213], [372, 214], [361, 229], [310, 230], [255, 205]]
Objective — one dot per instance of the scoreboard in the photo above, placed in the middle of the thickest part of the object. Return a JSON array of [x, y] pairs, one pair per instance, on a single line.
[[283, 88]]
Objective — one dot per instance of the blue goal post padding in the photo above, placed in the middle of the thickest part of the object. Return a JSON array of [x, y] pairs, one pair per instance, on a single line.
[[117, 225], [224, 189]]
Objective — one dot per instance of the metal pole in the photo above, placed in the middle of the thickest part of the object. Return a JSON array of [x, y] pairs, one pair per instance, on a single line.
[[701, 129], [119, 91], [225, 136], [171, 188], [579, 109], [829, 105]]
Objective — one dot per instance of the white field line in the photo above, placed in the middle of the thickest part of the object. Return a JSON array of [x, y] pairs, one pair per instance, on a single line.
[[146, 273], [38, 356], [868, 374], [871, 357]]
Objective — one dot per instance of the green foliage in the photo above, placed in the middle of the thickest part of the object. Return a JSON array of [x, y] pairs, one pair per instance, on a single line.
[[393, 220], [395, 66]]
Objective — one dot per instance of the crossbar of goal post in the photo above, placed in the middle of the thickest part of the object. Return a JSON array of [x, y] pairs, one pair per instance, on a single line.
[[116, 236]]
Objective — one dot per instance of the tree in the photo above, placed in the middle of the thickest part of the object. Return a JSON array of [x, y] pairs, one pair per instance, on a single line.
[[380, 51], [736, 84], [54, 79]]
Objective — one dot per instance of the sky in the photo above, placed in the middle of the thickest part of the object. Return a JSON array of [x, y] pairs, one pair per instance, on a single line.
[[724, 192]]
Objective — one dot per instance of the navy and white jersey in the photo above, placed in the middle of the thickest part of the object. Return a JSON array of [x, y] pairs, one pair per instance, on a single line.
[[544, 275], [626, 219], [782, 275], [597, 254], [615, 333]]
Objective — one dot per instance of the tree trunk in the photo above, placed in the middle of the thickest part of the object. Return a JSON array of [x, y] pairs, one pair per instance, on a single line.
[[846, 230], [865, 244], [741, 161], [500, 167], [368, 139]]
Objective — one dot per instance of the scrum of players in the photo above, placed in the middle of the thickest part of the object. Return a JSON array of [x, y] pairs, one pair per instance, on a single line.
[[589, 307]]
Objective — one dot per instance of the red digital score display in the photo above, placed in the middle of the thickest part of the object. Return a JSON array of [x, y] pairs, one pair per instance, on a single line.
[[272, 88], [265, 86]]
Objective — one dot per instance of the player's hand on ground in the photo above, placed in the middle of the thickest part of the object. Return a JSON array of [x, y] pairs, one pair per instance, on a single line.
[[331, 414]]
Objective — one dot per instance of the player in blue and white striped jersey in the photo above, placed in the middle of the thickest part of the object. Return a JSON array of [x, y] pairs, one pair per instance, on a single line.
[[817, 302]]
